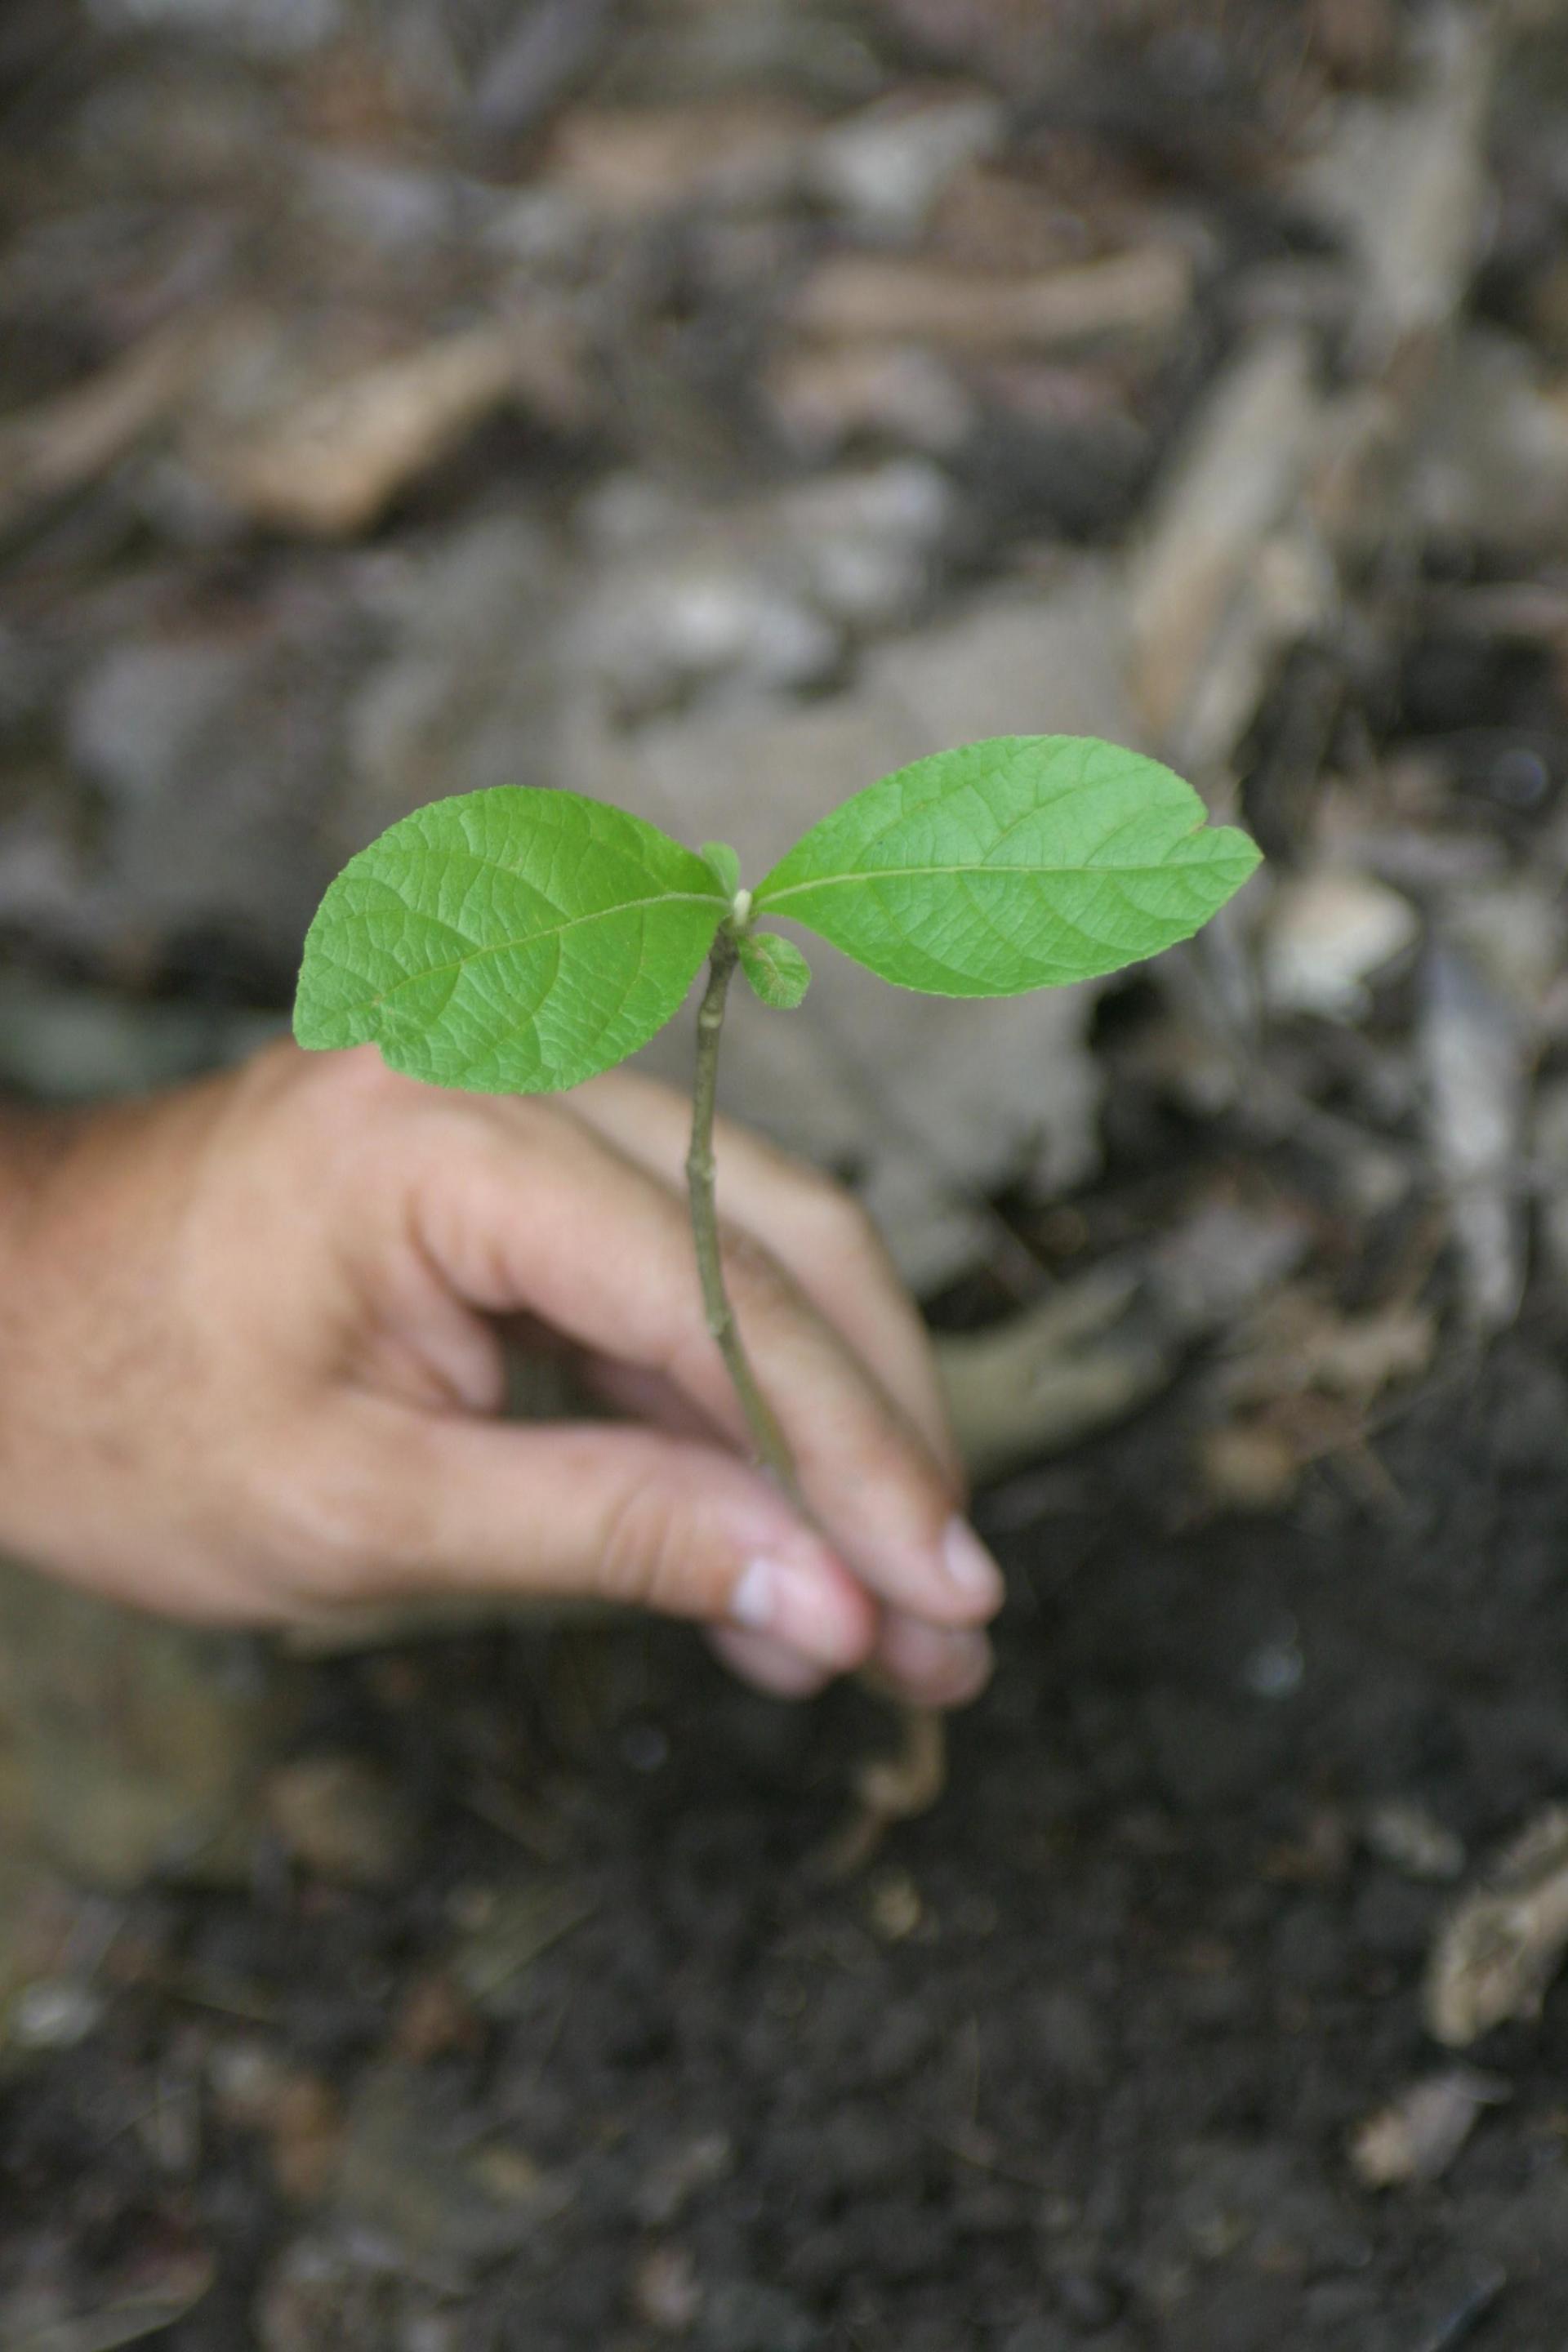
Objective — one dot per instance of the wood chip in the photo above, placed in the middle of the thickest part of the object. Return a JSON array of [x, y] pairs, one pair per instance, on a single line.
[[1413, 1841], [1243, 465], [1500, 1947], [1473, 1054], [1419, 2134], [327, 462], [1408, 182], [1139, 297], [627, 161]]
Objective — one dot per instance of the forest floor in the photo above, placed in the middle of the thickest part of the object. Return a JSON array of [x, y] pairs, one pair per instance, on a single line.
[[634, 392]]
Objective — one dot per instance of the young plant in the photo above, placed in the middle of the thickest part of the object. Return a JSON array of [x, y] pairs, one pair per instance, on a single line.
[[517, 942]]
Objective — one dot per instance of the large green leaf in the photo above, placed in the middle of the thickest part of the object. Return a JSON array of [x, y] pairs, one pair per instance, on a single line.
[[1020, 862], [510, 942]]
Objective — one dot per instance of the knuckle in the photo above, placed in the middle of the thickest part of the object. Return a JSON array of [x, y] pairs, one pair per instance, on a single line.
[[341, 1529], [645, 1550], [837, 1226], [756, 1276]]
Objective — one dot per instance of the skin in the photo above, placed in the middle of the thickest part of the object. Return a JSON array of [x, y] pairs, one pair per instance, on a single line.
[[251, 1370]]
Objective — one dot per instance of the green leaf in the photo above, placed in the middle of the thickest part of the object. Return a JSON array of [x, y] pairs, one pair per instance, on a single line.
[[723, 862], [1021, 862], [776, 969], [509, 941]]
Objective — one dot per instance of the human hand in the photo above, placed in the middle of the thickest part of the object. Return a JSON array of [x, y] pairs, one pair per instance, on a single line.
[[251, 1369]]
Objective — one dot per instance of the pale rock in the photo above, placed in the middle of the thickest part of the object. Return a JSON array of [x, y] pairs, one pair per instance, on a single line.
[[1405, 179], [56, 2013], [868, 540], [1326, 936], [1473, 1050], [886, 166], [1418, 2136], [394, 208], [1402, 1832], [1515, 932], [656, 635], [760, 596]]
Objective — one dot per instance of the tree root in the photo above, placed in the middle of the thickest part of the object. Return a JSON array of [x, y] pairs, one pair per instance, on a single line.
[[889, 1789]]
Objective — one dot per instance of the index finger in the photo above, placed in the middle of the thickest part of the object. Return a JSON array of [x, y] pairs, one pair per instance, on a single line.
[[539, 1213], [814, 1227]]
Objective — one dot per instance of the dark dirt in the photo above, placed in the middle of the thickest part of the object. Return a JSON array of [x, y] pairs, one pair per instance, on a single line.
[[1075, 2065]]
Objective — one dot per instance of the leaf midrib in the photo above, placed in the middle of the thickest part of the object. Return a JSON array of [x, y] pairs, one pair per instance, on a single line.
[[766, 899], [547, 932]]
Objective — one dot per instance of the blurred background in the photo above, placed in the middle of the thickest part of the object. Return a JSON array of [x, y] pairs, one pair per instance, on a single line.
[[711, 404]]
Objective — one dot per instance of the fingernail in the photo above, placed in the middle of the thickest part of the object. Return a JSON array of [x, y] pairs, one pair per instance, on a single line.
[[801, 1606], [968, 1567]]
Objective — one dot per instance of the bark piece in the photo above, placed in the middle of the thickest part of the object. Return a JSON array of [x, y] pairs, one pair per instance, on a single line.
[[1138, 296], [1246, 465], [1419, 2134], [326, 459], [1502, 1945], [1473, 1054]]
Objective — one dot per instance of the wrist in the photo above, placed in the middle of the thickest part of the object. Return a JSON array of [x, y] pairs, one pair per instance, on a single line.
[[32, 1143], [33, 1147]]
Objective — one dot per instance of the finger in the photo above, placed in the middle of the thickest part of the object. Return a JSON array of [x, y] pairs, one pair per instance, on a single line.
[[404, 1503], [814, 1227], [781, 1673], [636, 1395], [548, 1217], [926, 1665], [931, 1666]]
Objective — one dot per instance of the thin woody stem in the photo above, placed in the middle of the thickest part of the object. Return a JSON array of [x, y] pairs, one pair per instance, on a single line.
[[773, 1446], [895, 1788]]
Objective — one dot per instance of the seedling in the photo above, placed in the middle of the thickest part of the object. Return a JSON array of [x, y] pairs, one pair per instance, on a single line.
[[517, 942]]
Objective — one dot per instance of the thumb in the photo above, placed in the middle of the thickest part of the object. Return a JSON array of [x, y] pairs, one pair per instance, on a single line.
[[588, 1512]]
